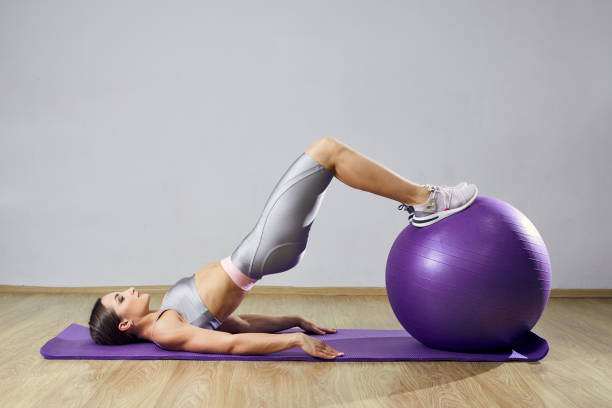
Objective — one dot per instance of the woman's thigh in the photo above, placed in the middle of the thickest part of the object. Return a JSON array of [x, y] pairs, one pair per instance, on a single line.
[[278, 240]]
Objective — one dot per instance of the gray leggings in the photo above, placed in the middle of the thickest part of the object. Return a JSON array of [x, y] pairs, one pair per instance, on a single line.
[[278, 240]]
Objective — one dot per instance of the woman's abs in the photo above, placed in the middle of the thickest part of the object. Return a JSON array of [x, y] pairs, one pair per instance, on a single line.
[[217, 291]]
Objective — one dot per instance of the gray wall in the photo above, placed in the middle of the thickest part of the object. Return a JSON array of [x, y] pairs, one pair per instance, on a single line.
[[139, 140]]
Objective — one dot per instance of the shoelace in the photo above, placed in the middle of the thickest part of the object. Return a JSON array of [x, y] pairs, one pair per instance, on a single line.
[[438, 190], [408, 208]]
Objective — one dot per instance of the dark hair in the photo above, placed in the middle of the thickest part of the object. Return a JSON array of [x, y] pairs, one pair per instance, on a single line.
[[103, 327]]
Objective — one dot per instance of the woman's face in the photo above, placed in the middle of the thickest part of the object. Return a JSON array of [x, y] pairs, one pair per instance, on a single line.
[[129, 304]]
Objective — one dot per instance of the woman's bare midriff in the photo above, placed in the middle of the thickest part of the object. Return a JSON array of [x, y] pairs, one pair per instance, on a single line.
[[218, 291]]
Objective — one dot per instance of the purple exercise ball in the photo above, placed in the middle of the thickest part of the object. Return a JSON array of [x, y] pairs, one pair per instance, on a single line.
[[477, 280]]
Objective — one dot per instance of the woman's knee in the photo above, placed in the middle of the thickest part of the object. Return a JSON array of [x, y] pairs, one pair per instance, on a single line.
[[325, 151]]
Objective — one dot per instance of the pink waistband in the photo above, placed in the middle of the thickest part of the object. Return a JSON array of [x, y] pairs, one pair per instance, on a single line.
[[238, 277]]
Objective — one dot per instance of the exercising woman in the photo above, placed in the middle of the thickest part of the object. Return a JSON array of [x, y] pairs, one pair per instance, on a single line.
[[196, 313]]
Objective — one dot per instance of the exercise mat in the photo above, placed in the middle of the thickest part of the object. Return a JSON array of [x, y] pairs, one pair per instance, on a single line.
[[74, 342]]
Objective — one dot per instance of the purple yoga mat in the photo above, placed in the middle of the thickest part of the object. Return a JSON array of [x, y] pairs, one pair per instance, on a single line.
[[74, 342]]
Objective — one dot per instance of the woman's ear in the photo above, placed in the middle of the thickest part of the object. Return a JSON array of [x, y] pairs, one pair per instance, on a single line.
[[125, 325]]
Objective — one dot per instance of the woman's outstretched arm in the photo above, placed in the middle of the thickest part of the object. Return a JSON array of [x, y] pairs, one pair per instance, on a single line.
[[199, 340]]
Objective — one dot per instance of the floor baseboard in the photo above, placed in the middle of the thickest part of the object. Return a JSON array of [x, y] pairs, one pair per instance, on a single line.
[[276, 290]]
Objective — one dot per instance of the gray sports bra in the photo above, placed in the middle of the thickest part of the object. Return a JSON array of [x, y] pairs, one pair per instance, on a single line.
[[184, 298]]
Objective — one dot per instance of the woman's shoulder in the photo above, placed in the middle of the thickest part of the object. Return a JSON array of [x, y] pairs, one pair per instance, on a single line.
[[165, 329]]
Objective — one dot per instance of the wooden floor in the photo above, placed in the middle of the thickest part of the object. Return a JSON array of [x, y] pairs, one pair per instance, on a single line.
[[577, 372]]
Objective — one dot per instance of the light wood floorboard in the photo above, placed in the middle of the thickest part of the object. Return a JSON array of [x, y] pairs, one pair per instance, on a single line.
[[577, 372]]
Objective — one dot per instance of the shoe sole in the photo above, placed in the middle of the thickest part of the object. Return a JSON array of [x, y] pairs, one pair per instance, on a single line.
[[435, 217]]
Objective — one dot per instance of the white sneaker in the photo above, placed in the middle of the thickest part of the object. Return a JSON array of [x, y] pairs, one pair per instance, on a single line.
[[443, 201]]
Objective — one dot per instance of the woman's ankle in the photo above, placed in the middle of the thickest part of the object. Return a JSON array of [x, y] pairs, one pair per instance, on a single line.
[[421, 197]]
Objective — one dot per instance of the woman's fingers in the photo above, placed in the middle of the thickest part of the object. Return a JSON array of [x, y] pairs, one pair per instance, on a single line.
[[332, 351], [323, 330], [323, 350], [329, 355], [328, 330]]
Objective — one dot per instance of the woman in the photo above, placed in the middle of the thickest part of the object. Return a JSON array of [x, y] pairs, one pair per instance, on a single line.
[[196, 313]]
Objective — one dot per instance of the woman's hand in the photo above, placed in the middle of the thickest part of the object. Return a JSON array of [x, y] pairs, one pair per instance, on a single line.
[[311, 327], [317, 348]]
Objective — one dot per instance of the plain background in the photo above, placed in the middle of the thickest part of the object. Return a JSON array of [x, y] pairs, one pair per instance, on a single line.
[[139, 141]]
